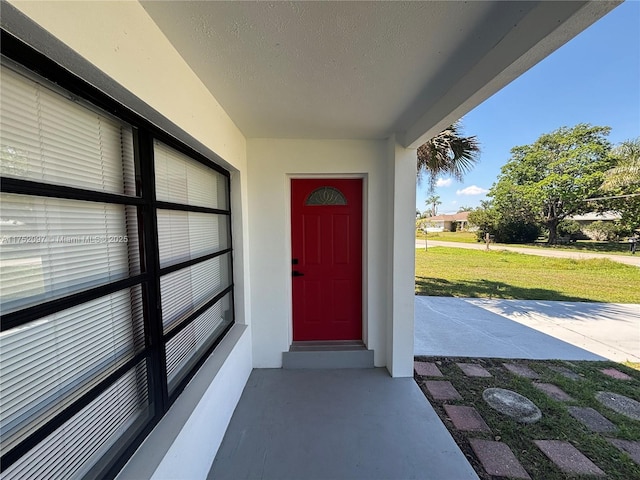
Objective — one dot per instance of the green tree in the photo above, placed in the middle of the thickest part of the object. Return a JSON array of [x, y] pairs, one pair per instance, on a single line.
[[510, 226], [448, 153], [464, 209], [432, 203], [550, 179]]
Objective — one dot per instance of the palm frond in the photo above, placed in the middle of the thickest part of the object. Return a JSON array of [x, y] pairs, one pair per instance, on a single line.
[[447, 153], [626, 173]]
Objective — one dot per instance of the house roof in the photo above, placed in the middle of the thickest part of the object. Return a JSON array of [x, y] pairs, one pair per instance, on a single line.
[[595, 216], [362, 69], [455, 217]]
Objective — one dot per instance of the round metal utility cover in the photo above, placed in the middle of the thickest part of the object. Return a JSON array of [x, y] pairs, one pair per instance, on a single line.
[[512, 404]]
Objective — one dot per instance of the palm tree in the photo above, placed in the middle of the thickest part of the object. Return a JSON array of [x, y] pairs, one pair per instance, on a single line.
[[464, 208], [626, 173], [447, 153], [432, 203]]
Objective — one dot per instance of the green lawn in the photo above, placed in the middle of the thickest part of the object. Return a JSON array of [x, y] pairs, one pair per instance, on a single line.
[[618, 248], [454, 272]]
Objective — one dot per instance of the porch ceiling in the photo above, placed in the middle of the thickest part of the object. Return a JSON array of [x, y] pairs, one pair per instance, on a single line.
[[362, 69]]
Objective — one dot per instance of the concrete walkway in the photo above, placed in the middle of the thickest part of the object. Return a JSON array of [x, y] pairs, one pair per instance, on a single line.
[[336, 424], [446, 326], [541, 252]]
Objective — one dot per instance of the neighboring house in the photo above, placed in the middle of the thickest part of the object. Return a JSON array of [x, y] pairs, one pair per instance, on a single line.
[[444, 223], [586, 220], [283, 138]]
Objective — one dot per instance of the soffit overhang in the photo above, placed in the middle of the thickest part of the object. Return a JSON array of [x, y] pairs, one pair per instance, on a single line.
[[362, 69]]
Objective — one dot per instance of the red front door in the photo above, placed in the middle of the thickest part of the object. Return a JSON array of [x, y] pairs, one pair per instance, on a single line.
[[326, 263]]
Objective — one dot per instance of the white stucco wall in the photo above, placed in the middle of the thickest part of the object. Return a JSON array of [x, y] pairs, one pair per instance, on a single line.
[[402, 168], [272, 164]]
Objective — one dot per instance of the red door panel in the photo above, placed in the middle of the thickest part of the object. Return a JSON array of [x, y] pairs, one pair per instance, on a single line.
[[326, 237]]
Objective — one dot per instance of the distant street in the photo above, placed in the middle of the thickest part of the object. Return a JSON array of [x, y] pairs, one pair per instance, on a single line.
[[541, 252]]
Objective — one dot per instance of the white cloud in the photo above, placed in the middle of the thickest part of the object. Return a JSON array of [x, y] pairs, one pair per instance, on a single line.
[[444, 182], [472, 190]]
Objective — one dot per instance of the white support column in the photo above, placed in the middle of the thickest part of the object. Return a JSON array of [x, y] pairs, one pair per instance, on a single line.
[[402, 170]]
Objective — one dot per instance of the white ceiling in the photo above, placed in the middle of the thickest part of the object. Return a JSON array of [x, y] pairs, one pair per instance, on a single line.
[[361, 69]]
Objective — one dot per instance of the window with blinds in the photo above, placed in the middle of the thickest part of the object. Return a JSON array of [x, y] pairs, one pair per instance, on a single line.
[[90, 243], [193, 238]]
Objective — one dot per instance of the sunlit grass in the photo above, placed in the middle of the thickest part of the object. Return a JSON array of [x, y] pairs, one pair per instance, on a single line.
[[453, 272], [587, 246], [634, 365]]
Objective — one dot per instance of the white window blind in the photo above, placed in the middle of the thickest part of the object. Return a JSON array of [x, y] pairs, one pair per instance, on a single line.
[[183, 349], [52, 247], [48, 138], [184, 290], [180, 179], [47, 364], [71, 450], [186, 235]]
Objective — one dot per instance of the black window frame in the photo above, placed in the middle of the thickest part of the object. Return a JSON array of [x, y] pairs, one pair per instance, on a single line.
[[144, 133]]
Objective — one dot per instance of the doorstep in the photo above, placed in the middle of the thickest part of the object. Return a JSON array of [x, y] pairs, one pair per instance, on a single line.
[[335, 354]]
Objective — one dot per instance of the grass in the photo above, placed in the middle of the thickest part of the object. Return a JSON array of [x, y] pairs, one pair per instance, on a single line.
[[556, 423], [460, 237], [453, 272], [634, 365], [616, 248]]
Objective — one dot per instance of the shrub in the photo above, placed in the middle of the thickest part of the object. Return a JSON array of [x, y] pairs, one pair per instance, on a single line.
[[602, 231], [516, 231], [570, 228]]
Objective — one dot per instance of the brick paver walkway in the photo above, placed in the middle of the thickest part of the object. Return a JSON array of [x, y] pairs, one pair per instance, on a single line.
[[617, 374], [568, 458], [466, 419], [630, 447], [592, 419], [497, 457], [521, 370], [553, 392], [427, 369], [474, 370], [442, 390]]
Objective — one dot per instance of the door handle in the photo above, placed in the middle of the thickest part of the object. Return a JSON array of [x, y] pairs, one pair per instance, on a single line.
[[295, 273]]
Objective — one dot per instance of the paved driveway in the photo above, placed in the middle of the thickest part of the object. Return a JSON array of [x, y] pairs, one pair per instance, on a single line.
[[526, 329]]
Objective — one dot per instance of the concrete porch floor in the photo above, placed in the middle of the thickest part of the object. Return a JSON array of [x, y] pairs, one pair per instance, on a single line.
[[336, 424]]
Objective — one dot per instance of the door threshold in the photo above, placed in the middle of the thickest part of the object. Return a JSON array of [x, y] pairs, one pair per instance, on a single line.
[[327, 345]]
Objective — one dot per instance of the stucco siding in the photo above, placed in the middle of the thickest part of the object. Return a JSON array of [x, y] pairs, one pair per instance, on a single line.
[[272, 164]]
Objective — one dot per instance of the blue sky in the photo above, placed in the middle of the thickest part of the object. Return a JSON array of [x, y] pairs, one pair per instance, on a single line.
[[595, 78]]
